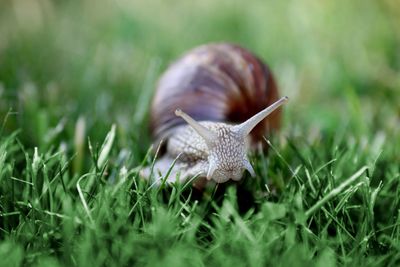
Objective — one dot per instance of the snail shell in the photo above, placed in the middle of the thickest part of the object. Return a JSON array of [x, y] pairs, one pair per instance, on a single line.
[[215, 82], [225, 93]]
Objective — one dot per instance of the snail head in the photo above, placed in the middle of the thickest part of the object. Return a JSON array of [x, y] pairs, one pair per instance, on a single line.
[[226, 144]]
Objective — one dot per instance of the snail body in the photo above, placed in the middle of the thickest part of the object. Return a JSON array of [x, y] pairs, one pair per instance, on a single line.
[[210, 108]]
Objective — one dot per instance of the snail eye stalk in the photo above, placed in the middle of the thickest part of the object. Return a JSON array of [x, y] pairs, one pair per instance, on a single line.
[[245, 128], [205, 133]]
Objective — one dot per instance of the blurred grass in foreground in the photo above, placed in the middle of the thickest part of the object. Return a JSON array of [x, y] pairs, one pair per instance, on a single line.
[[71, 69]]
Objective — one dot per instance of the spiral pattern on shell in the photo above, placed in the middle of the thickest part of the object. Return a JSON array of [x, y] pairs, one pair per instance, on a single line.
[[215, 82]]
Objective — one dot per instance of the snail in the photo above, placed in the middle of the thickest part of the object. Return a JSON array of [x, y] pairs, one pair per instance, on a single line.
[[210, 109]]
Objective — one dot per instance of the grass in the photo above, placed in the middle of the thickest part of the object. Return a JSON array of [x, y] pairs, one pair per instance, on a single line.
[[75, 82]]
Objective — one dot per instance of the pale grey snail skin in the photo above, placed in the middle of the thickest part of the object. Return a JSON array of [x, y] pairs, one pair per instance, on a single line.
[[213, 150]]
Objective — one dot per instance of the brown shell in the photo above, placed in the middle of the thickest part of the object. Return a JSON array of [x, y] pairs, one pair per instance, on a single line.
[[215, 82]]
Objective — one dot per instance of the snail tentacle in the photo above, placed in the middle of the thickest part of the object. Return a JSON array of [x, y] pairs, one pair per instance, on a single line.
[[246, 127]]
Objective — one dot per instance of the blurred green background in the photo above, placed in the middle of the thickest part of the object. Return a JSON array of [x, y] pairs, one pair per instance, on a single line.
[[338, 61], [69, 70]]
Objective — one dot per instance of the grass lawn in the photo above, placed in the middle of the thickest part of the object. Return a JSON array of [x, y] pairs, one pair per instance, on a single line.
[[76, 79]]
